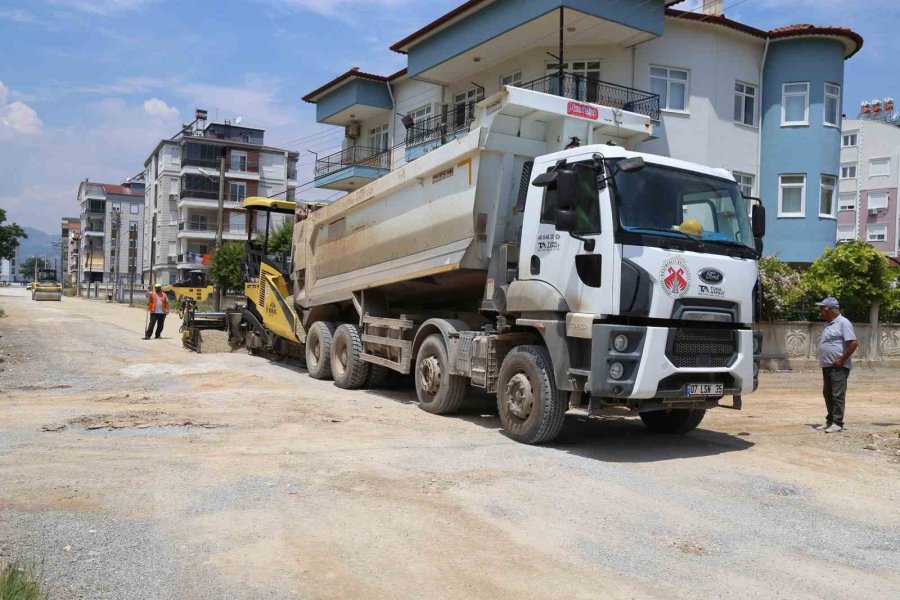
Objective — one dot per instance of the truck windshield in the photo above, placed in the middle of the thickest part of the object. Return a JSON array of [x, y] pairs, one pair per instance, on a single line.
[[665, 201]]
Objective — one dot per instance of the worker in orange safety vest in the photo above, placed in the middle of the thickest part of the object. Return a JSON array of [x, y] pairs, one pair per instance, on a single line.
[[158, 308]]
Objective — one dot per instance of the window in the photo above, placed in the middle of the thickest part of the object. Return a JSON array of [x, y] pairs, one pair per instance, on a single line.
[[744, 103], [514, 78], [745, 182], [826, 196], [795, 104], [378, 138], [848, 140], [876, 233], [878, 200], [237, 191], [134, 208], [791, 195], [848, 171], [588, 212], [847, 201], [198, 222], [238, 161], [464, 105], [672, 87], [133, 226], [172, 251], [236, 222], [421, 114], [116, 206], [832, 104], [879, 167], [173, 216], [845, 234]]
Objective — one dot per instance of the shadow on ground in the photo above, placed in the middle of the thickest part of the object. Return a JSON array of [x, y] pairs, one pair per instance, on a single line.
[[608, 440]]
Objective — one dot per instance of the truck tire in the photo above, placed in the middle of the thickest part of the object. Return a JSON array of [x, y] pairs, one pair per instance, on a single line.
[[318, 350], [439, 392], [677, 420], [532, 409], [377, 376], [348, 368]]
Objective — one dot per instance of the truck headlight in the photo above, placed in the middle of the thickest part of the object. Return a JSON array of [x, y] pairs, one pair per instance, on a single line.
[[616, 370], [620, 342]]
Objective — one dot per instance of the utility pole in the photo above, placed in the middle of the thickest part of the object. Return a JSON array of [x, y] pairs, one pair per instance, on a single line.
[[116, 232], [77, 278], [220, 222]]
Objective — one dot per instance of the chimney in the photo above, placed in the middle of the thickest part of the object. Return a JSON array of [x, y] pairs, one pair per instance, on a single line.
[[712, 7]]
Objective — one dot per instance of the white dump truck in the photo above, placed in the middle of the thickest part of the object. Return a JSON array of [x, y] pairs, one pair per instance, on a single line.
[[591, 278]]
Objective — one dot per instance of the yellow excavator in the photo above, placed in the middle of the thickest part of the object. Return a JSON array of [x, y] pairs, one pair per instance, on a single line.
[[46, 286], [268, 323]]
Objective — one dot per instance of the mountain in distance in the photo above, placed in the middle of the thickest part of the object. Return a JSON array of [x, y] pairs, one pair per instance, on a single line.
[[38, 244]]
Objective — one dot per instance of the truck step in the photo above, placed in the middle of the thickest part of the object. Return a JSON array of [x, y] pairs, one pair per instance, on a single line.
[[386, 322], [386, 362], [387, 341]]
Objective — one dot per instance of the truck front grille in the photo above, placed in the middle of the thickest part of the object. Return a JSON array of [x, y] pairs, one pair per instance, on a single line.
[[689, 347]]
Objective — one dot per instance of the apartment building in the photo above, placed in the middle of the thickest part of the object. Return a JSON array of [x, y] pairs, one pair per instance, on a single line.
[[70, 232], [9, 268], [110, 230], [182, 193], [867, 207], [764, 104]]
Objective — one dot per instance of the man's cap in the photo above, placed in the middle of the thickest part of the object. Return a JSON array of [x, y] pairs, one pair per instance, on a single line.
[[158, 286], [829, 302]]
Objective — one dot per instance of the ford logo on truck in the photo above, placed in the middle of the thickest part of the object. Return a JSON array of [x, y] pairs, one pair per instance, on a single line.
[[712, 276]]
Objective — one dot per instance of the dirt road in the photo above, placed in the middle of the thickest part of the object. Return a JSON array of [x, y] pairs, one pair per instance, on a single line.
[[135, 469]]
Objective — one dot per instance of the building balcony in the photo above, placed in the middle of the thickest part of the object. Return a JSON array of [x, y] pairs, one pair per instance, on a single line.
[[351, 168], [92, 233], [190, 200], [191, 260], [429, 134], [596, 91], [204, 231]]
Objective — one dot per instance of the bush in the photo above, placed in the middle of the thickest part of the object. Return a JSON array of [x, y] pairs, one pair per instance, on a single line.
[[19, 583], [782, 289], [855, 273], [226, 268]]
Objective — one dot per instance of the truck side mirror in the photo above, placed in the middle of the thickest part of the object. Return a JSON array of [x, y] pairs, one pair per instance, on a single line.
[[758, 218], [566, 189], [566, 220]]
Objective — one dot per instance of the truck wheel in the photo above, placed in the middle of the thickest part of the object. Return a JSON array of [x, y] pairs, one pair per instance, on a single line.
[[377, 376], [532, 409], [318, 350], [348, 368], [439, 392], [677, 420]]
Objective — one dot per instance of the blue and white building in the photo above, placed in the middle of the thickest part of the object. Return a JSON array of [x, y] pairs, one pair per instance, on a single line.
[[764, 104]]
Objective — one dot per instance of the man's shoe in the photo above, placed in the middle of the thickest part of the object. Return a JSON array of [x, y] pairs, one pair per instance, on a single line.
[[157, 337], [823, 427], [146, 337], [834, 429]]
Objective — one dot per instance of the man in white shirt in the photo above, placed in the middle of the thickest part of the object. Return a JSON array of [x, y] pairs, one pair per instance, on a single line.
[[836, 346]]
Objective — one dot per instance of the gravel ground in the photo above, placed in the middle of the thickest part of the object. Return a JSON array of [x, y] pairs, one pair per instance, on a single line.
[[133, 469]]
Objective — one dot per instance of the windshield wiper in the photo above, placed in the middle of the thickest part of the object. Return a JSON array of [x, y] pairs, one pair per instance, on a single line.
[[678, 231]]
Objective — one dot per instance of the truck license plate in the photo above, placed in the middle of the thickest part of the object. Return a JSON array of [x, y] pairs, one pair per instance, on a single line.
[[705, 389]]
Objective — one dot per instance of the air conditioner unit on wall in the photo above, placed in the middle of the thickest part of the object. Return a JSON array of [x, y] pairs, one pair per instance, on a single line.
[[351, 131], [874, 211]]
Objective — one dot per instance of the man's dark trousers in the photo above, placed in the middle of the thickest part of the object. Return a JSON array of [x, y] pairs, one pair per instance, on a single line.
[[159, 318], [834, 390]]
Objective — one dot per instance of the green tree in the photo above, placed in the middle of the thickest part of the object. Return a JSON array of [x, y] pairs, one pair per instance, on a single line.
[[281, 238], [855, 273], [782, 288], [226, 268], [27, 266], [9, 237]]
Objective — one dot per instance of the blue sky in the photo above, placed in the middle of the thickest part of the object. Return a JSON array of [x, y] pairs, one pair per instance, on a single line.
[[87, 87]]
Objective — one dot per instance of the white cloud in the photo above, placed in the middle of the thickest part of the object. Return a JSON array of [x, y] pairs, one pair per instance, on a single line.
[[22, 118], [157, 108], [102, 7], [17, 15], [16, 117]]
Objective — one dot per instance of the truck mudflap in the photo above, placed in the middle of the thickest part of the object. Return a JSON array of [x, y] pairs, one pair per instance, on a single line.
[[672, 363]]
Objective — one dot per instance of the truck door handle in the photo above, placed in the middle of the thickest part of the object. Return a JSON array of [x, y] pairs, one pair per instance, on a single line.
[[535, 265]]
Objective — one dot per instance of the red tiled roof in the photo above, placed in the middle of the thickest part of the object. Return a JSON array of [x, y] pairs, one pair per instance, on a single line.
[[804, 29], [110, 188], [445, 18]]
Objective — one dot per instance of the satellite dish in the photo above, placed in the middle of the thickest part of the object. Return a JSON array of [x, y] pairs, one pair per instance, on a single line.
[[238, 121]]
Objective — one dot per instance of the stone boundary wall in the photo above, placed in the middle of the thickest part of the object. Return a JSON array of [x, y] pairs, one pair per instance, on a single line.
[[789, 345]]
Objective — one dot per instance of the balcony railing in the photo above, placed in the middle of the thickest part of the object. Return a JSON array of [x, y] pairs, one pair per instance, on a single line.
[[355, 156], [201, 227], [204, 194], [210, 163], [194, 258], [587, 89], [441, 126]]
